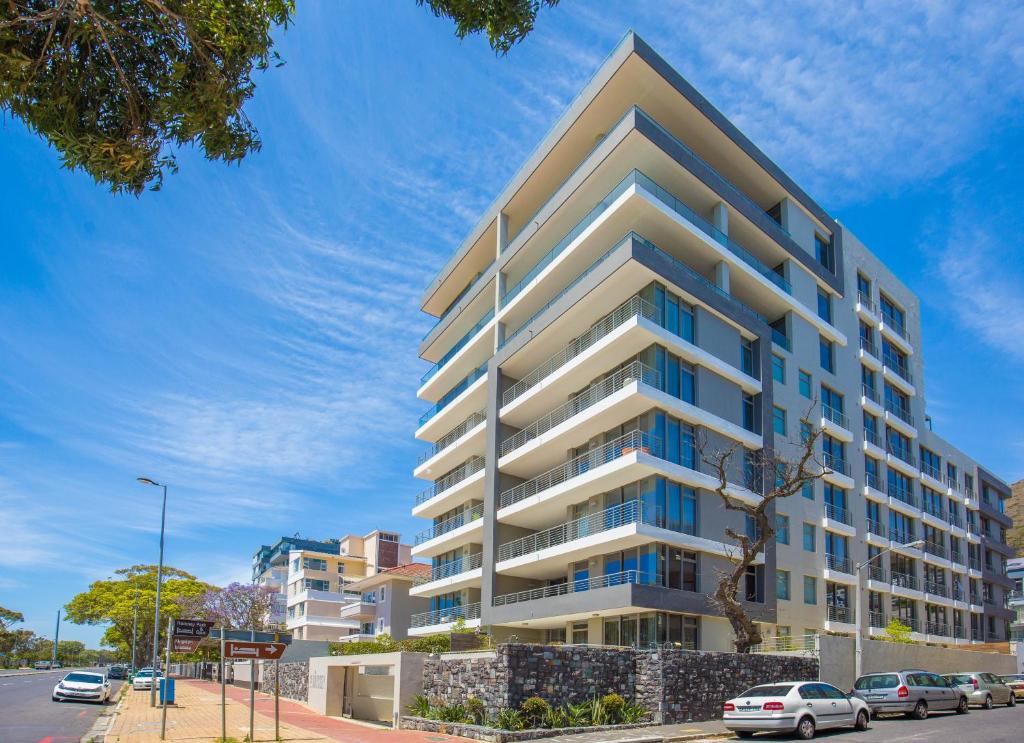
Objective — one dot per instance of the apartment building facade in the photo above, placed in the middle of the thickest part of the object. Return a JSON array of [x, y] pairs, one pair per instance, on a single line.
[[650, 289], [314, 580], [385, 605]]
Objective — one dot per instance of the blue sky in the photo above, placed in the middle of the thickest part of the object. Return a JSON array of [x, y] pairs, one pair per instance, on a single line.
[[248, 334]]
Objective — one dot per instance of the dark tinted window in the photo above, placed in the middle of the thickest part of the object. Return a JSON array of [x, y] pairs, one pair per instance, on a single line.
[[811, 691], [85, 678], [879, 681], [832, 692], [959, 678], [773, 690]]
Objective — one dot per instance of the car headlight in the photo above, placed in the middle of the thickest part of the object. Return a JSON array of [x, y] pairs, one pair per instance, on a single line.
[[61, 685]]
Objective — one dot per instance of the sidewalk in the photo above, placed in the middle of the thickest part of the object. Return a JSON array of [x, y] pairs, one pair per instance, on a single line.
[[196, 718], [687, 731]]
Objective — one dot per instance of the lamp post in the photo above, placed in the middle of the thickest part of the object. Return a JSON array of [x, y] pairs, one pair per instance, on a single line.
[[135, 619], [159, 580], [859, 569]]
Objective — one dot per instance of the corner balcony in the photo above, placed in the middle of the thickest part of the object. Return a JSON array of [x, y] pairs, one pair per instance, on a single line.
[[838, 519], [465, 572], [444, 620], [468, 437], [546, 553], [839, 569], [834, 423], [629, 392], [450, 533], [458, 486], [471, 350], [542, 500], [455, 405]]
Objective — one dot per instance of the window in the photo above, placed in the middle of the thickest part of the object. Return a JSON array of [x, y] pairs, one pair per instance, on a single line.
[[782, 528], [809, 537], [892, 314], [383, 593], [747, 356], [341, 568], [863, 288], [317, 585], [823, 252], [810, 590], [895, 359], [827, 354], [779, 420], [778, 368], [782, 584], [805, 384], [312, 563], [749, 413], [807, 490], [825, 306], [579, 633], [806, 431], [385, 537], [833, 400]]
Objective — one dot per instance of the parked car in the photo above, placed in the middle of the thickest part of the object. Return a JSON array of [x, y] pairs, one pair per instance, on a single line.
[[41, 665], [1016, 683], [117, 672], [802, 707], [983, 689], [83, 686], [913, 692], [143, 679]]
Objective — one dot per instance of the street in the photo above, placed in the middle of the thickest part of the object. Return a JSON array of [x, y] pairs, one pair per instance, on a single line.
[[1000, 725], [27, 714]]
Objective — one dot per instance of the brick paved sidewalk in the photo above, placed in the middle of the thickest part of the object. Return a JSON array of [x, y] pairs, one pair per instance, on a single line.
[[196, 718]]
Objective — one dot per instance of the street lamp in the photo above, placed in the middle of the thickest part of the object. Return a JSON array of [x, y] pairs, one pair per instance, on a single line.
[[860, 566], [159, 580]]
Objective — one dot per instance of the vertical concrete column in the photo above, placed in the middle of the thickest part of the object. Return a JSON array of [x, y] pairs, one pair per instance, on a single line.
[[720, 217], [492, 485], [722, 276], [499, 283]]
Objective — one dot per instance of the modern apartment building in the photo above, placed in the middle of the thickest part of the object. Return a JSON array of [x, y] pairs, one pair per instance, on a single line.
[[385, 605], [313, 579], [1015, 569], [649, 286]]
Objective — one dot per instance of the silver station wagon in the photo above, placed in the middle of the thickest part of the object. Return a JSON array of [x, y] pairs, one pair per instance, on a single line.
[[912, 692]]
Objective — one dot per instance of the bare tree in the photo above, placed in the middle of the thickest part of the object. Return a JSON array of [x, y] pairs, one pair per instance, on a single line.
[[773, 477]]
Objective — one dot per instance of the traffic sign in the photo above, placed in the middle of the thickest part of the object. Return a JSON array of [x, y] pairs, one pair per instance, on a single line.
[[253, 650], [244, 635], [185, 644], [191, 628]]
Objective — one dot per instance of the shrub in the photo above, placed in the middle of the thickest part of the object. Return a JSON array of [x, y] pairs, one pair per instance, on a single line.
[[578, 715], [633, 713], [431, 644], [509, 719], [452, 713], [613, 705], [598, 712], [420, 706], [475, 709], [534, 710], [556, 717]]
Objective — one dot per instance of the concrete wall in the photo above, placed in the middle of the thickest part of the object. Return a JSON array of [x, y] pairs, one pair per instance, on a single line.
[[334, 678], [837, 659]]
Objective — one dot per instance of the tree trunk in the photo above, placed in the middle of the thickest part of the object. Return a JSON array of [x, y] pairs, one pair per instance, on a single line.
[[746, 631]]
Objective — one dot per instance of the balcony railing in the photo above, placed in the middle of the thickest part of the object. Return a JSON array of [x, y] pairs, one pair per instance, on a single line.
[[901, 453], [976, 598], [623, 514], [835, 464], [453, 478], [872, 480], [958, 593], [900, 370], [455, 567], [839, 563], [904, 495], [781, 339], [870, 393], [931, 470], [877, 573], [933, 510], [877, 620], [954, 555], [445, 616], [872, 437], [626, 577], [473, 514], [454, 392], [974, 563], [954, 518], [459, 345], [900, 412], [934, 548], [937, 628], [904, 580], [451, 307], [842, 614], [952, 484], [865, 300], [454, 435], [891, 323], [634, 441], [936, 588], [837, 513], [836, 416], [877, 528], [866, 344], [591, 396]]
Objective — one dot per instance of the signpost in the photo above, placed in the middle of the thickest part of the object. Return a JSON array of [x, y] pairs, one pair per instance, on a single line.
[[254, 650], [251, 646]]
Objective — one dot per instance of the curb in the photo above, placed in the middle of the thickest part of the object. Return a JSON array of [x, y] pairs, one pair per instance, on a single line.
[[98, 732]]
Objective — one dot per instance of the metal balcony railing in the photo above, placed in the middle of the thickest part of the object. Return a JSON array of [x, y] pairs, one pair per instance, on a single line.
[[936, 588], [976, 599], [974, 563], [838, 513], [935, 548], [453, 478], [977, 634], [954, 555], [937, 628], [872, 480], [835, 464], [839, 563], [842, 614], [895, 325], [454, 435], [865, 301], [959, 632], [455, 567], [904, 495], [458, 346], [635, 371], [454, 392], [870, 393], [877, 528], [900, 370], [932, 510], [931, 470], [877, 573], [634, 441], [954, 518], [902, 537], [952, 484], [872, 437], [466, 517], [625, 577], [877, 619], [455, 302], [623, 514], [901, 453], [445, 616], [835, 416], [902, 413], [957, 594], [904, 580], [867, 345]]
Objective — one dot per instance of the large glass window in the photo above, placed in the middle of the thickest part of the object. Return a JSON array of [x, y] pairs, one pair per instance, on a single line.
[[778, 368], [782, 584], [827, 354], [809, 537], [824, 253], [825, 306], [782, 528], [779, 420], [892, 314], [806, 384], [810, 590]]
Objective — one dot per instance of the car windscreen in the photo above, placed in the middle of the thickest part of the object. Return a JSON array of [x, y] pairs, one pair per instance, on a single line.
[[84, 678], [879, 681], [772, 690], [144, 673], [959, 678]]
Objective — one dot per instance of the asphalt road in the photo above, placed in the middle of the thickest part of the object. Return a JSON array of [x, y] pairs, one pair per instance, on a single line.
[[1000, 725], [27, 715]]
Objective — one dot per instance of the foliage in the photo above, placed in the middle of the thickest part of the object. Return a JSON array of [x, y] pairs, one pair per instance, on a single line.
[[534, 710], [116, 87], [452, 713], [896, 631], [9, 617], [113, 601], [475, 709], [420, 706], [509, 719], [535, 713], [237, 606], [384, 643], [613, 704], [578, 715], [774, 476], [633, 713]]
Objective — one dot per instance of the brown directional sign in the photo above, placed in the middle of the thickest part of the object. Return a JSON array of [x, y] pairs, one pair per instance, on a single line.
[[185, 644], [253, 650], [191, 628]]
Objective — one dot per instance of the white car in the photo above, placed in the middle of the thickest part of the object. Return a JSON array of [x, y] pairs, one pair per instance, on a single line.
[[801, 707], [143, 680], [83, 686]]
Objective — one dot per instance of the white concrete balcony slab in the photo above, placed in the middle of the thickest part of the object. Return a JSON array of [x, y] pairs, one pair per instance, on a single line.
[[869, 359], [444, 620], [464, 528], [838, 520], [467, 439], [898, 380], [430, 503], [932, 482], [896, 336], [874, 493], [361, 610], [867, 310], [316, 620], [907, 468], [873, 448], [900, 423], [836, 424], [870, 402], [441, 418], [477, 349], [839, 570]]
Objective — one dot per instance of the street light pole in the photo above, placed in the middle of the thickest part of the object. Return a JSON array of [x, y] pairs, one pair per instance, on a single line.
[[858, 651], [135, 620], [159, 581]]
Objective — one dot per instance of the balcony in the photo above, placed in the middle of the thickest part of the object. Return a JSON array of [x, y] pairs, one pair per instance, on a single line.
[[453, 393], [940, 629], [877, 573], [873, 482], [901, 414], [904, 580], [840, 614], [894, 327], [872, 439], [781, 339], [877, 528], [835, 466], [974, 563], [935, 548], [833, 421], [901, 496], [839, 564], [626, 577], [453, 478], [865, 303], [899, 374], [954, 519], [838, 514], [424, 540], [877, 620], [359, 610], [936, 588], [451, 575], [869, 348], [869, 397], [439, 619], [931, 471], [483, 322], [447, 445]]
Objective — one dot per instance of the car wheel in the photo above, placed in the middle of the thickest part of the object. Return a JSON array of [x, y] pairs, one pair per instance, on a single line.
[[744, 734], [988, 702], [862, 720], [1012, 702], [55, 699], [920, 710], [961, 708], [805, 728]]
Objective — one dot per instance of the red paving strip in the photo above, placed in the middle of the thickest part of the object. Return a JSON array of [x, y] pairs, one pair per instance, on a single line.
[[296, 714]]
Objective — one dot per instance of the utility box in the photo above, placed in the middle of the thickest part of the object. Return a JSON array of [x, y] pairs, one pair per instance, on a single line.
[[167, 688]]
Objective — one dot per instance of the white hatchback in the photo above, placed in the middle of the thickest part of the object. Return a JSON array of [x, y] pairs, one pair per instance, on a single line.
[[82, 686], [802, 707]]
